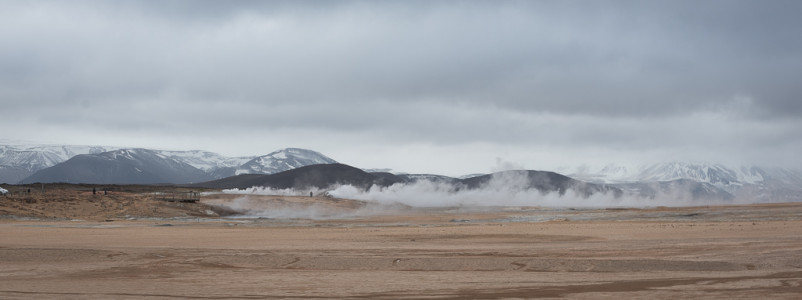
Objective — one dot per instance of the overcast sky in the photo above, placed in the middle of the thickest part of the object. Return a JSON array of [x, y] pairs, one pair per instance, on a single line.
[[450, 87]]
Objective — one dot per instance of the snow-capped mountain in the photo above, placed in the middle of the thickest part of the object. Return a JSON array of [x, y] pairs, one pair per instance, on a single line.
[[205, 160], [744, 182], [21, 162], [124, 166], [282, 160], [43, 163], [18, 161], [716, 174]]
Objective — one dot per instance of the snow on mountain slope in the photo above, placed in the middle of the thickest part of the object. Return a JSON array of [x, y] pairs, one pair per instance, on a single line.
[[716, 174], [205, 160], [471, 175], [611, 173], [123, 166], [38, 156], [283, 160], [747, 183], [710, 173], [18, 161]]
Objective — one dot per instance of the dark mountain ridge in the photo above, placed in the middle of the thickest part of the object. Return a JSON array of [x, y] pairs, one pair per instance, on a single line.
[[330, 175], [145, 166], [543, 181], [320, 176]]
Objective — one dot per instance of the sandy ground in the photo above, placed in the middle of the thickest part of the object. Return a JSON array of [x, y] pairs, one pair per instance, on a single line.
[[71, 202], [735, 252]]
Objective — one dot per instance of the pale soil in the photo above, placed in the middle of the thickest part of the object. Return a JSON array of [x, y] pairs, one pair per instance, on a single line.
[[736, 252], [82, 204]]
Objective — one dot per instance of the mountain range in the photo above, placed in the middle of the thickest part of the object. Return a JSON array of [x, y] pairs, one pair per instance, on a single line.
[[320, 175], [18, 161], [328, 176], [113, 165], [749, 183]]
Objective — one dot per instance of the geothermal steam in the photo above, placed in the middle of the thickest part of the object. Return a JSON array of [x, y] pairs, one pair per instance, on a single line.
[[504, 189]]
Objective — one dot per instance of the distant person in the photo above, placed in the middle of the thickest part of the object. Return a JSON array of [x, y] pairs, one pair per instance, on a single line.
[[94, 192], [310, 194]]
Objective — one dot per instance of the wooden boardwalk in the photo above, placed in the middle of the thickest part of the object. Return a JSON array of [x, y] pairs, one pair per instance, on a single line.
[[185, 197]]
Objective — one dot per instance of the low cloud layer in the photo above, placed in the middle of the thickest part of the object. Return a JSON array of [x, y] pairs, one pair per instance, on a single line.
[[405, 85]]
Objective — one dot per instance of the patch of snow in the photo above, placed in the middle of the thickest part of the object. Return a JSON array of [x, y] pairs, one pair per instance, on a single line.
[[280, 155], [380, 171], [283, 160], [204, 160]]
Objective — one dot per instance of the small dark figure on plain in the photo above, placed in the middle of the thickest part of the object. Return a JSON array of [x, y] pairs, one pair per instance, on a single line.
[[310, 194], [94, 191], [105, 192]]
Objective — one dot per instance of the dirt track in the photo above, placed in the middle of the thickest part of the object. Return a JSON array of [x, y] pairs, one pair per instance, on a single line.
[[437, 254]]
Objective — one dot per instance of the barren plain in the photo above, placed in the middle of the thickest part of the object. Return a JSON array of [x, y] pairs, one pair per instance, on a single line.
[[70, 244]]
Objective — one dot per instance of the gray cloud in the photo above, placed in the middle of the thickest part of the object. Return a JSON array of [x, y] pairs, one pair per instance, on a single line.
[[698, 78]]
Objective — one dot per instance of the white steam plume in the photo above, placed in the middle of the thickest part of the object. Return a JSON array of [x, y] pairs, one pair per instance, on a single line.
[[259, 190], [252, 206], [503, 189], [509, 189], [431, 194]]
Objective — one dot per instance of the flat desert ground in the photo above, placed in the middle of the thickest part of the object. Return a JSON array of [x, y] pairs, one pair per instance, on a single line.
[[355, 251]]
